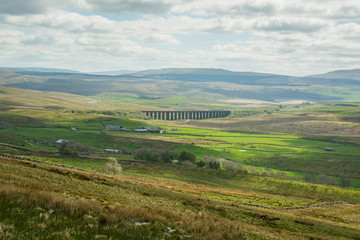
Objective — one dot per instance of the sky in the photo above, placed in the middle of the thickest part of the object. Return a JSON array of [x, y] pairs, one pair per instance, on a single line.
[[293, 37]]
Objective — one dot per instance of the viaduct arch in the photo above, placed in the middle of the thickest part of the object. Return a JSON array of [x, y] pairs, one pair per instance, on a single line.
[[177, 115]]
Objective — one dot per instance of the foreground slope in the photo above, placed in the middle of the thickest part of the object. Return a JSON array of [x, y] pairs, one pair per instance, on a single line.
[[53, 202]]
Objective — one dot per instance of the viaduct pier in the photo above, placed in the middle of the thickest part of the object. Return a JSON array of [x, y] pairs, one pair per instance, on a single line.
[[177, 115]]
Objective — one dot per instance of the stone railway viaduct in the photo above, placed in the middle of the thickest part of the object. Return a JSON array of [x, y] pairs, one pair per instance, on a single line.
[[175, 115]]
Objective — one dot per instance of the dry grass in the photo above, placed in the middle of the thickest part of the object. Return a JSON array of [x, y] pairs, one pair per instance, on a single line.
[[120, 200], [30, 100]]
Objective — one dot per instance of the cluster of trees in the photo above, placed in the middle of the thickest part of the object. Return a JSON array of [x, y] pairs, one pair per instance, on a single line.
[[216, 163], [327, 180], [166, 155], [73, 148]]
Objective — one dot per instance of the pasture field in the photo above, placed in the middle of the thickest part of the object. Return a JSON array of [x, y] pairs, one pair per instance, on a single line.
[[297, 155], [289, 153]]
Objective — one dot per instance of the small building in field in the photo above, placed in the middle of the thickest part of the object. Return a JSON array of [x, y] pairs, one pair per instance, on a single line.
[[112, 151], [125, 130], [143, 129], [73, 129], [328, 149], [155, 129], [61, 141], [113, 127], [149, 129]]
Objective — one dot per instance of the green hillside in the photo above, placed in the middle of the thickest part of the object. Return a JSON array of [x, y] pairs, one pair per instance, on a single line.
[[288, 171]]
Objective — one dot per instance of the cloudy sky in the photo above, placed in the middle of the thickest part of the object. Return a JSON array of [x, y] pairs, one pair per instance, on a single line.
[[296, 37]]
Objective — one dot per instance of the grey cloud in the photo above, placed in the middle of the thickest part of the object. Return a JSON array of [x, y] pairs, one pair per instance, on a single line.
[[347, 12], [292, 25], [248, 8], [141, 6], [18, 7], [35, 40], [160, 39]]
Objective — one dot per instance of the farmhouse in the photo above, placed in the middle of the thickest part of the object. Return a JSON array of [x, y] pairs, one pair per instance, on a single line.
[[113, 127], [149, 129], [142, 129], [155, 129], [112, 150], [61, 141]]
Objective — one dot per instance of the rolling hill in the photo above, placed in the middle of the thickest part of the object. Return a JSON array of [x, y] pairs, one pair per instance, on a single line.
[[214, 86]]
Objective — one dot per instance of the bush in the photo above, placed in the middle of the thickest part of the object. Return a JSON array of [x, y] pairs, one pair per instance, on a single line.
[[167, 155], [145, 154], [309, 177], [187, 163], [75, 146], [125, 151], [327, 180], [66, 151], [345, 182], [214, 164], [187, 155], [201, 164], [113, 166]]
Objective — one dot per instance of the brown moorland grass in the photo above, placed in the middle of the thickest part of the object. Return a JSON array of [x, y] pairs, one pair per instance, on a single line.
[[120, 200]]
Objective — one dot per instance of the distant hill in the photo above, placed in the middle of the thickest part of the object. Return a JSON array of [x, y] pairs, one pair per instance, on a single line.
[[36, 69], [342, 74], [210, 75], [197, 84], [114, 73]]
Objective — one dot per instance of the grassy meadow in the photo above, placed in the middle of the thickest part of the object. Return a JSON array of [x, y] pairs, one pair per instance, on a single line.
[[270, 156], [49, 202]]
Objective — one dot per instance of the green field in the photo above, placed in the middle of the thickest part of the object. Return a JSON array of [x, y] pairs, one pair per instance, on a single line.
[[289, 153], [247, 169]]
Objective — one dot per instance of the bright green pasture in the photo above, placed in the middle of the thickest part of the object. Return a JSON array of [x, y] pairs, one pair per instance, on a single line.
[[289, 153], [284, 152]]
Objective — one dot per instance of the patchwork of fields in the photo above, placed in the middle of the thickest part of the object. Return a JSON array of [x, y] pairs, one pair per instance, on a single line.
[[247, 171]]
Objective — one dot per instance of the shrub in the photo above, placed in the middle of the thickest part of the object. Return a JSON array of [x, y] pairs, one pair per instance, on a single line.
[[113, 166], [145, 154], [345, 182], [232, 166], [309, 177], [66, 151], [201, 164], [187, 163], [125, 151], [187, 155], [327, 180], [75, 146], [167, 155], [214, 164]]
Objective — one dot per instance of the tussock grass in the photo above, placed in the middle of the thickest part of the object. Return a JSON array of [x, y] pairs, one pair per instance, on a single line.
[[86, 205], [49, 200]]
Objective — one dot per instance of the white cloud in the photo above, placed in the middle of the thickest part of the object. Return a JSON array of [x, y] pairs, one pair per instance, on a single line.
[[284, 36], [160, 39]]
